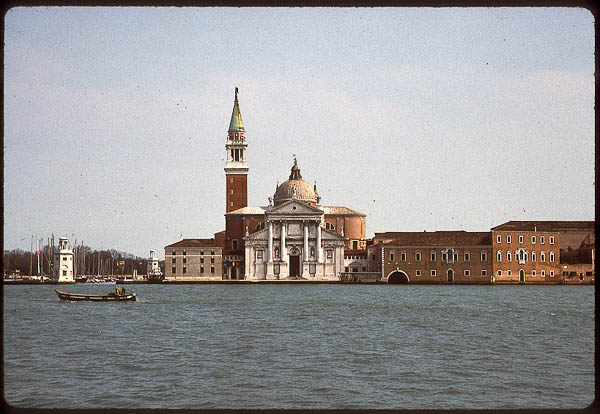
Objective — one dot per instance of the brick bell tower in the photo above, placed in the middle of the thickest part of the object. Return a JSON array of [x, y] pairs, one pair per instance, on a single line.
[[236, 169]]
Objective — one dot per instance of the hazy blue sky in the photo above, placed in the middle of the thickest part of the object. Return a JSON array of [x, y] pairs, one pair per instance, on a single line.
[[424, 119]]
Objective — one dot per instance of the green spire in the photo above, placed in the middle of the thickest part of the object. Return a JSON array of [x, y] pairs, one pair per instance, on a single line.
[[236, 123]]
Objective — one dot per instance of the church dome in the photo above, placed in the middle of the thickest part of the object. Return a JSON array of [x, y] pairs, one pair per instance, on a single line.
[[295, 189]]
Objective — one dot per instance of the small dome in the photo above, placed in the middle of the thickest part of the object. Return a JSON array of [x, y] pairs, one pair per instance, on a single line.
[[295, 189]]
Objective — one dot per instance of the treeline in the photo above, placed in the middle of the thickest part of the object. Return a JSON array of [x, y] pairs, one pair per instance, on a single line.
[[85, 262]]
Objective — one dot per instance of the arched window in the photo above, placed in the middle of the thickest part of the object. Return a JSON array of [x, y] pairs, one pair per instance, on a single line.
[[533, 256], [329, 226], [508, 256], [260, 226], [499, 256], [552, 256]]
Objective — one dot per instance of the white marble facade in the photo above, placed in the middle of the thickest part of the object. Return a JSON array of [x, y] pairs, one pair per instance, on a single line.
[[293, 244]]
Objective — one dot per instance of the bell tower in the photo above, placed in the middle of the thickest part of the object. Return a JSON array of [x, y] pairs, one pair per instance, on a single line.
[[236, 169]]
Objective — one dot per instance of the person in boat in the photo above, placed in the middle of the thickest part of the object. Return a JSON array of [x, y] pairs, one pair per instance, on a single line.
[[117, 290], [123, 291]]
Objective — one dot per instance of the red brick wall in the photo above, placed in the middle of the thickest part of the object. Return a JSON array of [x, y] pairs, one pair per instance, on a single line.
[[238, 184], [529, 265]]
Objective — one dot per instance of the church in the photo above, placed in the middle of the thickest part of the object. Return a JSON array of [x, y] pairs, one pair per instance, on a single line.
[[293, 237]]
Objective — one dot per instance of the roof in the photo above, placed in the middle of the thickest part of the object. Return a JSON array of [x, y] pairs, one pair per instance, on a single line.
[[441, 238], [194, 243], [249, 210], [341, 211], [356, 252], [236, 123], [556, 226]]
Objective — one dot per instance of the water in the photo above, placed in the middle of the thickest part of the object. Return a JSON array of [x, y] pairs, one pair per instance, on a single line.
[[301, 346]]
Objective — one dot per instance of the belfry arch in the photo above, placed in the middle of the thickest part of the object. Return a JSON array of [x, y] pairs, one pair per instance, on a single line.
[[398, 277]]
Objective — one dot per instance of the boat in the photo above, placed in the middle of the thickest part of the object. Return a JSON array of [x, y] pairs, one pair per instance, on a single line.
[[111, 297]]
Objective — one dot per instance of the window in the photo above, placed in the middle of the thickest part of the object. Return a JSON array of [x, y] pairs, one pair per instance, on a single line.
[[483, 272], [552, 273], [212, 259], [417, 256], [64, 272], [521, 256], [173, 270], [173, 260], [184, 260], [184, 269], [355, 244], [543, 273], [64, 258], [201, 269], [467, 273], [521, 239], [432, 256], [346, 269], [312, 252], [499, 256], [403, 256], [533, 273], [483, 256], [455, 256], [508, 256], [542, 239], [551, 239], [533, 256], [233, 245], [552, 256], [508, 238], [509, 272], [329, 226], [499, 273], [212, 269], [212, 252], [372, 257], [392, 255], [231, 204], [259, 254], [202, 260], [329, 254], [231, 180], [173, 253], [532, 239], [499, 239], [260, 226], [418, 273], [542, 257], [184, 252], [467, 257], [432, 272]]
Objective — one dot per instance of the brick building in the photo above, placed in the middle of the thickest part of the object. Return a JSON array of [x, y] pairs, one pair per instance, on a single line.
[[432, 257], [193, 260], [543, 251]]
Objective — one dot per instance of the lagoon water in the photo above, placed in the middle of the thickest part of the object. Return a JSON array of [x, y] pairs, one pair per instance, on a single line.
[[301, 346]]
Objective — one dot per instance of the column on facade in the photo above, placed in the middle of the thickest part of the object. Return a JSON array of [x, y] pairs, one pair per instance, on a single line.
[[319, 249], [282, 250], [247, 256], [306, 241], [270, 241]]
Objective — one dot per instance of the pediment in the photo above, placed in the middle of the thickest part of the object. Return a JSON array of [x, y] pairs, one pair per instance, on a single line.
[[330, 235], [262, 234], [292, 208]]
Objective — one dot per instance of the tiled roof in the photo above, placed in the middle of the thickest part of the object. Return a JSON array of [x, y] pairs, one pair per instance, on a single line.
[[194, 243], [441, 238], [249, 210], [338, 210], [545, 226]]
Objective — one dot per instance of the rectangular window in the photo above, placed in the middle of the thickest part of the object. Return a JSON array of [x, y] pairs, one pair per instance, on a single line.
[[499, 273], [184, 269], [467, 273], [508, 238], [509, 272], [444, 257], [418, 273], [552, 273], [212, 269], [484, 256], [184, 260], [432, 257], [432, 272], [418, 256], [64, 272], [521, 239], [483, 272], [372, 257], [551, 239], [64, 258], [392, 256], [532, 239], [542, 239], [173, 270], [346, 269], [533, 273], [467, 257], [455, 256], [543, 273], [173, 260], [201, 269], [329, 254], [499, 239], [355, 244], [403, 256]]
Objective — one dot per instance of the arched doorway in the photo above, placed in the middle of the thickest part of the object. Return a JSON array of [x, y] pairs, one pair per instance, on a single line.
[[398, 277], [522, 276], [450, 276]]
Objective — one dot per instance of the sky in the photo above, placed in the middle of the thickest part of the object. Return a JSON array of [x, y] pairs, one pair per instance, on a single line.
[[115, 119]]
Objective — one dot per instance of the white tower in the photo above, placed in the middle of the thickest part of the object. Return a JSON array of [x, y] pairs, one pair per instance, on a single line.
[[153, 269], [63, 261]]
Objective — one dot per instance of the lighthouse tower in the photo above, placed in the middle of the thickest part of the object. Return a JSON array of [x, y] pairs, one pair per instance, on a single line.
[[236, 169], [63, 261]]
